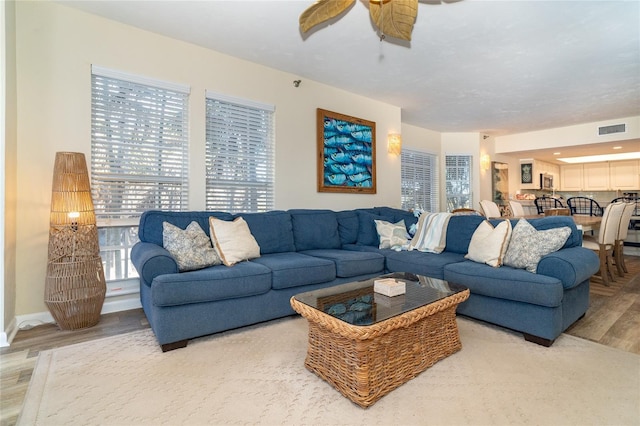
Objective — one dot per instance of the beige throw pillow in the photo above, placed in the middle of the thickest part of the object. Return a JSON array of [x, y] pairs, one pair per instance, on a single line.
[[190, 247], [488, 244], [233, 240]]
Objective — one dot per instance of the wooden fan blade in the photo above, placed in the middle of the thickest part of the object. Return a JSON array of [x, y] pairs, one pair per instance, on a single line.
[[394, 18], [322, 10]]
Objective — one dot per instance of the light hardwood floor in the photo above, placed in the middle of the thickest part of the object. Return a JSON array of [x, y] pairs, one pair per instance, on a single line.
[[613, 319]]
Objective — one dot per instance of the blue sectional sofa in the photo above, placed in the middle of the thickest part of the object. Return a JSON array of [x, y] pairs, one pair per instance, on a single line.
[[302, 250]]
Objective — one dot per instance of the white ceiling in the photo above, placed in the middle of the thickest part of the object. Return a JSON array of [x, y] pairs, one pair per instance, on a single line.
[[495, 67]]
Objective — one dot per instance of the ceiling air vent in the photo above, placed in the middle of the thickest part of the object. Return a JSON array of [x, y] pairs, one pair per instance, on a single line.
[[616, 128]]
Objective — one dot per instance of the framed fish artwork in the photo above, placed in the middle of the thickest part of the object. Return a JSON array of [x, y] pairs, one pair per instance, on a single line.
[[346, 153]]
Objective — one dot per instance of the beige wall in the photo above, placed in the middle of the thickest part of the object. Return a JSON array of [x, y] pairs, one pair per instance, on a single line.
[[56, 47], [10, 156]]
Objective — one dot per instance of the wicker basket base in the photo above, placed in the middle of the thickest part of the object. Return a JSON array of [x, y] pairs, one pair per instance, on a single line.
[[373, 360], [75, 292]]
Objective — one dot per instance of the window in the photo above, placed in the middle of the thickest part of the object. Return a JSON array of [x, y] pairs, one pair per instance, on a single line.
[[419, 180], [458, 181], [139, 142], [240, 155]]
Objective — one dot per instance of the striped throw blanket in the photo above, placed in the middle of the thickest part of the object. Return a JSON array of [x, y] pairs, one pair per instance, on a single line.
[[431, 235]]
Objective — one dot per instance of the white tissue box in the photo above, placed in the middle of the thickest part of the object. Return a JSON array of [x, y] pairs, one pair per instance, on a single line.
[[389, 287], [389, 302]]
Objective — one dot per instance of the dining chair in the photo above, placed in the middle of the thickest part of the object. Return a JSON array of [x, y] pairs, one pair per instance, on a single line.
[[623, 229], [466, 211], [489, 208], [544, 203], [584, 205], [516, 209], [634, 223], [604, 244]]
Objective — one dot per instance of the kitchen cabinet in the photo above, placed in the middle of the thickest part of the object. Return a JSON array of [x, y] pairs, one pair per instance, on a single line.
[[595, 177], [624, 174], [571, 177], [601, 176]]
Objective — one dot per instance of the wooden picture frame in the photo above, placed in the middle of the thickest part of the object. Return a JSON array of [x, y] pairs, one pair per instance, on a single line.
[[500, 182], [346, 153], [526, 173]]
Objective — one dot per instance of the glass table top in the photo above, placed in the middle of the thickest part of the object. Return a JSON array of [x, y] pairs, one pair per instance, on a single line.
[[356, 303]]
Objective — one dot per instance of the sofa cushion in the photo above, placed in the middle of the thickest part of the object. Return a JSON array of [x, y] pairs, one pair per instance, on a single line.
[[459, 232], [528, 245], [348, 226], [190, 247], [351, 263], [296, 269], [272, 230], [572, 266], [506, 283], [398, 214], [315, 229], [488, 244], [233, 240], [150, 227], [417, 262], [211, 284], [367, 233]]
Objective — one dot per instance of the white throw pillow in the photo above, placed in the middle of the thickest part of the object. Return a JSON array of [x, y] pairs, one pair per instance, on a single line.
[[392, 235], [528, 245], [233, 240], [190, 247], [488, 244]]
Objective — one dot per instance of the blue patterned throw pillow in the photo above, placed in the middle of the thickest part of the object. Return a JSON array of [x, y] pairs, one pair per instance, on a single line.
[[528, 245], [190, 247]]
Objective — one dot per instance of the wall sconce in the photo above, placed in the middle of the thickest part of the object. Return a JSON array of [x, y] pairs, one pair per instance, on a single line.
[[485, 162], [394, 143], [75, 285]]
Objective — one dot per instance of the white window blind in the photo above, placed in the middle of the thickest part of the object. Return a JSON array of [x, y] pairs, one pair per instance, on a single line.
[[139, 143], [240, 162], [458, 173], [419, 180]]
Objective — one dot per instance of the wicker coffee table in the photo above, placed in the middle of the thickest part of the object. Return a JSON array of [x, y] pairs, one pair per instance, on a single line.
[[366, 344]]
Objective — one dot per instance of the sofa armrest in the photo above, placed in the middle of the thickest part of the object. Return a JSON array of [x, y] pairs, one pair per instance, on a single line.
[[571, 265], [152, 260]]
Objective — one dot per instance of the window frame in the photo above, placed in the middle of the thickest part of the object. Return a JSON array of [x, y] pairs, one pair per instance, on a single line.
[[240, 147], [114, 117], [428, 163], [468, 183]]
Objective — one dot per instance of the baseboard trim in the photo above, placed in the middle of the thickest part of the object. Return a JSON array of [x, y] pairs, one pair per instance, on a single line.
[[25, 322], [7, 336]]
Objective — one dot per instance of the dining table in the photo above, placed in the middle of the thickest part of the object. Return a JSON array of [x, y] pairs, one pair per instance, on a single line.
[[587, 223], [583, 222]]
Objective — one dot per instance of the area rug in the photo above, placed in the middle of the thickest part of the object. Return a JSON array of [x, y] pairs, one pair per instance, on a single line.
[[256, 375]]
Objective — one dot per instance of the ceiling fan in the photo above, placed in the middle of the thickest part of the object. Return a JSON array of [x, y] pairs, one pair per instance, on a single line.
[[393, 18]]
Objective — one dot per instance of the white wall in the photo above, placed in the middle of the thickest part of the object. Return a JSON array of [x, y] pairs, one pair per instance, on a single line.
[[55, 48], [581, 134]]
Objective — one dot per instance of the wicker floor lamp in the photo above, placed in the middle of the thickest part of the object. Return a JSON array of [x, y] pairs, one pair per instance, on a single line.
[[75, 285]]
